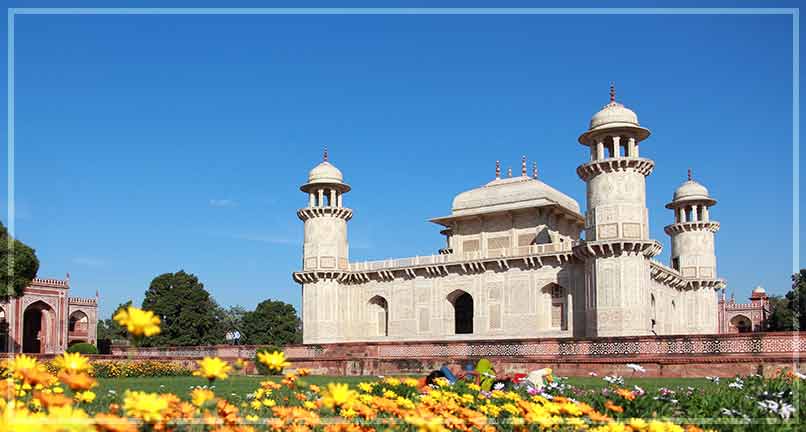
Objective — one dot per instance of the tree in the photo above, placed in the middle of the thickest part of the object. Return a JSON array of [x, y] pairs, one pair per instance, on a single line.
[[109, 329], [187, 311], [273, 322], [22, 262], [796, 299], [228, 319], [781, 317]]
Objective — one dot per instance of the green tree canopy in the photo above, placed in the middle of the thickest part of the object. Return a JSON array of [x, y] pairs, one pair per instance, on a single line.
[[187, 311], [796, 299], [789, 312], [273, 322], [110, 329], [20, 260]]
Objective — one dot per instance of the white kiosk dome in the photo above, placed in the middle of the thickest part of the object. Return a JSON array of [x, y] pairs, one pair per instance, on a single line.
[[614, 116], [690, 191], [325, 174]]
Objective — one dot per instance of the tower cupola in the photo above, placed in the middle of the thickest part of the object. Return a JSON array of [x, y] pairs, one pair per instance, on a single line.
[[325, 218], [692, 232]]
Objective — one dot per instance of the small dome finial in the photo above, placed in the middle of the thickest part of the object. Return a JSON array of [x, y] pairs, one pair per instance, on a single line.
[[534, 169], [498, 169], [324, 155], [689, 174], [509, 172], [612, 91], [523, 166]]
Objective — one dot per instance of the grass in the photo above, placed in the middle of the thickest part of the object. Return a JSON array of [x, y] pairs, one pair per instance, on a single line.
[[242, 385]]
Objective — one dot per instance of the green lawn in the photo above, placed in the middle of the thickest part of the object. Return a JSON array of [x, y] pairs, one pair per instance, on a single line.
[[242, 385]]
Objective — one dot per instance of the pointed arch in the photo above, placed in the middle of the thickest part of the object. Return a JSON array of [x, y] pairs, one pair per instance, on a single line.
[[463, 311], [379, 313], [741, 323], [38, 328]]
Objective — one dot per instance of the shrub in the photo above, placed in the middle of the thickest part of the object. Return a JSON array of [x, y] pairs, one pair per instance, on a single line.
[[261, 368], [139, 368], [83, 348]]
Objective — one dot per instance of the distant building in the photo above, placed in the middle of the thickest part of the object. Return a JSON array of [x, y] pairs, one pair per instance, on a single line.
[[744, 317], [515, 264], [46, 320]]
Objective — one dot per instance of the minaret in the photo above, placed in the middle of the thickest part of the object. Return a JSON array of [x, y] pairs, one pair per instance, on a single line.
[[692, 232], [617, 246], [325, 254], [325, 219]]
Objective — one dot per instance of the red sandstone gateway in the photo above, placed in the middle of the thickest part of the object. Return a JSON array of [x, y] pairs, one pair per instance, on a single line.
[[46, 320]]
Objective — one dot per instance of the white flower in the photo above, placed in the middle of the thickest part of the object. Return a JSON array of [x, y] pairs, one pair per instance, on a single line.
[[636, 368], [736, 385], [639, 390], [786, 411], [593, 374], [714, 379], [800, 375]]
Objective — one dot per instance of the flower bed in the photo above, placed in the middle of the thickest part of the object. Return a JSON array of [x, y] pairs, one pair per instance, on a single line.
[[66, 397], [60, 396]]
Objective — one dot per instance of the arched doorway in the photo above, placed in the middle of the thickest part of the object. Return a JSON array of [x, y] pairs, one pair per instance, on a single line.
[[741, 323], [3, 331], [379, 311], [37, 328], [77, 327], [462, 312]]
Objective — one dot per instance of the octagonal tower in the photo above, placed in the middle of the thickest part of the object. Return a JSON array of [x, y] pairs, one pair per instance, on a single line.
[[617, 244]]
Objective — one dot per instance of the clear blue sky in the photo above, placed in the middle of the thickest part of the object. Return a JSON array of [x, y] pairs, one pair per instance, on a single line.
[[149, 144]]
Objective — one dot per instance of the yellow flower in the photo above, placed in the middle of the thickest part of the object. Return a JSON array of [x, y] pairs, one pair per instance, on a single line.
[[201, 395], [72, 362], [255, 404], [637, 424], [239, 364], [309, 405], [269, 402], [389, 394], [392, 381], [85, 396], [366, 387], [212, 368], [347, 413], [338, 395], [23, 364], [275, 361], [138, 322], [150, 407], [411, 382], [67, 418]]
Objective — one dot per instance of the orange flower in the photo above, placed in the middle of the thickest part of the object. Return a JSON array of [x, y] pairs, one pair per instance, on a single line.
[[37, 376], [113, 423], [53, 399], [600, 418], [626, 394], [77, 381], [613, 407]]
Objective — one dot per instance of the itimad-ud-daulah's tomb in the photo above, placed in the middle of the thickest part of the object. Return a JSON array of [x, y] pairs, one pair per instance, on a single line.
[[515, 264], [519, 283]]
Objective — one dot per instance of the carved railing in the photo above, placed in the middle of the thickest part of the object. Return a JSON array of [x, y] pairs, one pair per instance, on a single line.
[[538, 249]]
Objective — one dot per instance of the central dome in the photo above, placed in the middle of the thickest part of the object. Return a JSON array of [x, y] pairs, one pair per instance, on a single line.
[[509, 194]]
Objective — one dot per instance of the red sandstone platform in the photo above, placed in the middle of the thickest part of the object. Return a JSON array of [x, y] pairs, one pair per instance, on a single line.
[[671, 356]]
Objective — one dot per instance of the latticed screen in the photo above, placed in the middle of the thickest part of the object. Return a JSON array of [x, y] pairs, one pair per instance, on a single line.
[[558, 315], [470, 246], [498, 243], [526, 239]]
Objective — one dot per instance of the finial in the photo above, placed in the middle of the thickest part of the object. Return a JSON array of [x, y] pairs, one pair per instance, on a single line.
[[534, 169], [523, 166], [689, 174], [68, 276], [498, 169], [612, 91], [324, 155], [509, 172]]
